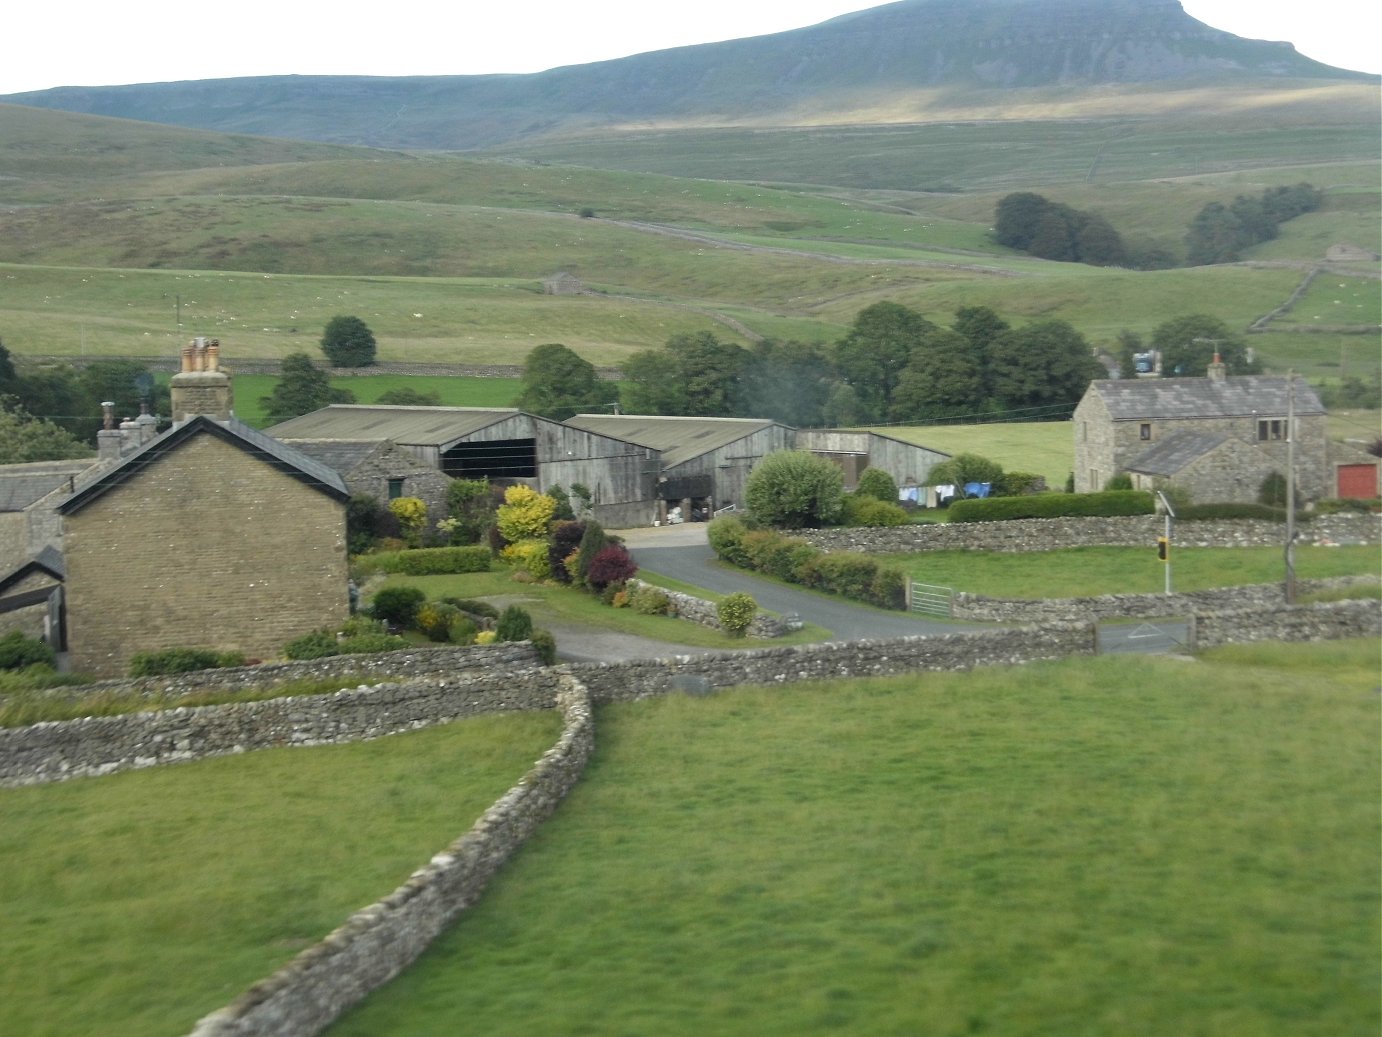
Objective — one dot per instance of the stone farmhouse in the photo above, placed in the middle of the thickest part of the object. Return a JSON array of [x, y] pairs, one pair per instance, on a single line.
[[382, 470], [209, 535], [1216, 438]]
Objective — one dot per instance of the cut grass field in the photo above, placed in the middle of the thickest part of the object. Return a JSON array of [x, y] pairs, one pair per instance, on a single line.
[[1080, 848], [1090, 571], [454, 391], [134, 904]]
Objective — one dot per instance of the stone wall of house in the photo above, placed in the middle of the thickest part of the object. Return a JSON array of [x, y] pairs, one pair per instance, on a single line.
[[422, 481], [706, 613], [377, 942], [216, 549], [1128, 531], [1261, 598]]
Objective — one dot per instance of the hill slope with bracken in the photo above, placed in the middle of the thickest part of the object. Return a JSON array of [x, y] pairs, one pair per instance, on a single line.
[[908, 61]]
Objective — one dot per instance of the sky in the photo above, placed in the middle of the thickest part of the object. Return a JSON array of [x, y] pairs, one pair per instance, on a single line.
[[90, 43]]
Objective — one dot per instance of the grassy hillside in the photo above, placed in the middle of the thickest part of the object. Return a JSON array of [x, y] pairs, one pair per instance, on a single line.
[[262, 242]]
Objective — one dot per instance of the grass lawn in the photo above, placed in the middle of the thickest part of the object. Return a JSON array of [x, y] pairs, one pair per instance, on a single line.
[[1148, 846], [551, 604], [136, 903], [454, 391], [1086, 571]]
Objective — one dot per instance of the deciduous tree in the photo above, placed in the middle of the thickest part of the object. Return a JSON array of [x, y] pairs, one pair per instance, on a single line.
[[557, 384], [794, 488], [872, 357], [301, 389], [348, 342], [1188, 344]]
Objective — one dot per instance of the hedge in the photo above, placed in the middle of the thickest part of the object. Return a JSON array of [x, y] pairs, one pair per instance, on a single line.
[[1053, 505], [431, 561], [844, 573]]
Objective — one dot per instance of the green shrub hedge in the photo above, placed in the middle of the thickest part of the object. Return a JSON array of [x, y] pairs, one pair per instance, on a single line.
[[181, 660], [18, 652], [1053, 505], [795, 561], [431, 561]]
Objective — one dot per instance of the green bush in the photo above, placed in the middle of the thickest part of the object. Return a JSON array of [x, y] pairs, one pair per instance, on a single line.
[[475, 608], [1210, 512], [397, 605], [546, 646], [529, 555], [375, 642], [726, 538], [18, 652], [1053, 505], [650, 601], [1020, 484], [462, 630], [175, 660], [432, 561], [1121, 481], [795, 488], [736, 613], [878, 484], [515, 624], [849, 575], [889, 588], [1346, 505], [434, 619], [869, 511], [317, 645]]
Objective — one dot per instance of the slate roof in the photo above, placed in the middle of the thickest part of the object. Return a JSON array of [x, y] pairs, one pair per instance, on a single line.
[[407, 426], [678, 439], [23, 484], [1174, 452], [340, 455], [1137, 399], [291, 462], [48, 560]]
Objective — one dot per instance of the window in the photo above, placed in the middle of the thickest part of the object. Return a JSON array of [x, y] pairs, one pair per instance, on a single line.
[[395, 489], [1270, 429], [1144, 431]]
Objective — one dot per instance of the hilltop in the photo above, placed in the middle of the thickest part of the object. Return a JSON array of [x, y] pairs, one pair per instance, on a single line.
[[911, 61]]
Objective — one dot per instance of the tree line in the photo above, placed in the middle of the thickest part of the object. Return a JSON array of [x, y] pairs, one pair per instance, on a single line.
[[1219, 233]]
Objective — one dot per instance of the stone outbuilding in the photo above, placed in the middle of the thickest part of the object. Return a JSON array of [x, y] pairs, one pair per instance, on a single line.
[[1175, 431], [382, 470]]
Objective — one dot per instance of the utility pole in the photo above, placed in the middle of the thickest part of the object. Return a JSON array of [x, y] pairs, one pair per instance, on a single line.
[[1166, 539], [1291, 487]]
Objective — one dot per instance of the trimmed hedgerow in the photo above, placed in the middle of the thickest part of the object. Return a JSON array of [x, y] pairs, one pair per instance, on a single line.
[[545, 645], [1053, 505], [181, 660], [847, 574], [432, 561]]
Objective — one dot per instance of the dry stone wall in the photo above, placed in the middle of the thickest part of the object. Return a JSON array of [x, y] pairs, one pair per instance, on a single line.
[[707, 614], [378, 942], [1326, 621], [1261, 598], [1122, 531]]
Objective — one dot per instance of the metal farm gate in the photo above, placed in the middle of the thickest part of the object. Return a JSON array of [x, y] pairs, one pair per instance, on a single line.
[[930, 600]]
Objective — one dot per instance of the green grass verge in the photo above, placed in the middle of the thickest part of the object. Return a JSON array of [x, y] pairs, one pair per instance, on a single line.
[[550, 604], [1088, 571], [134, 904], [1075, 849]]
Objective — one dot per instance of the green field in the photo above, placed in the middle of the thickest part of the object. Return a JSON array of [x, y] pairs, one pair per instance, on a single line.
[[250, 389], [1079, 848], [260, 243], [136, 903], [1090, 571]]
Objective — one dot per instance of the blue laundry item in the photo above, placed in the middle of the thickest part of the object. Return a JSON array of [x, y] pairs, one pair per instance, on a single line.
[[977, 489]]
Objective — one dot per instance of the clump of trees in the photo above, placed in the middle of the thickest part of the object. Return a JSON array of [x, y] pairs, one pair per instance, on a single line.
[[1053, 230], [1219, 233], [558, 384]]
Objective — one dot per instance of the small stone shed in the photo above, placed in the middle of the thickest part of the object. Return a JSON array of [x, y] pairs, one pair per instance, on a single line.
[[382, 470]]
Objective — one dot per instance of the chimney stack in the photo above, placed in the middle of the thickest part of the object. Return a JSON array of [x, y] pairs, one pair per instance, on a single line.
[[201, 387], [1218, 371], [108, 439]]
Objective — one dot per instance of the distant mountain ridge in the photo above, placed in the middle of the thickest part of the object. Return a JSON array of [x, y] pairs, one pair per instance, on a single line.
[[903, 56]]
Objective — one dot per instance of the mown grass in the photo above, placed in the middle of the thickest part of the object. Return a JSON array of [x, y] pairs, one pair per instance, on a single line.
[[1081, 848], [1079, 572], [1043, 447], [550, 604], [136, 903]]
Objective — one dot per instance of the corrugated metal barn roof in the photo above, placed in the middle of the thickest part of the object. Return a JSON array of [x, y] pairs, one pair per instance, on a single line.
[[407, 426], [679, 439]]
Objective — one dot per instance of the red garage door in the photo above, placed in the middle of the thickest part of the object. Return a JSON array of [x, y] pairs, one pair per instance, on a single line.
[[1358, 481]]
